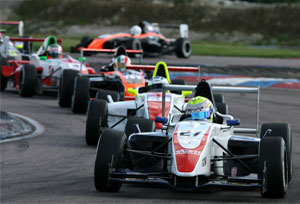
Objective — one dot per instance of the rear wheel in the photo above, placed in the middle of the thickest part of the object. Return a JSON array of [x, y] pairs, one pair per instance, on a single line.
[[223, 109], [96, 121], [219, 98], [66, 87], [102, 94], [80, 97], [4, 80], [183, 48], [27, 80], [281, 130], [134, 44], [273, 167], [145, 125], [178, 82], [109, 155]]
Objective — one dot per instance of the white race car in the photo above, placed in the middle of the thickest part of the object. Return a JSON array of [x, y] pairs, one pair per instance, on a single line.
[[195, 154], [46, 71], [147, 105]]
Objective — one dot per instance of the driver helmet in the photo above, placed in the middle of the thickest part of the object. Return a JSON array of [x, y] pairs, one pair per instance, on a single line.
[[54, 51], [156, 83], [200, 108], [120, 62], [135, 30]]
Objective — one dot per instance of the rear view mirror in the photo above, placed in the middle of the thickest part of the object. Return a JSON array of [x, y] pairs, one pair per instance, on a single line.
[[133, 91], [186, 93], [43, 57], [233, 122], [83, 59], [162, 120]]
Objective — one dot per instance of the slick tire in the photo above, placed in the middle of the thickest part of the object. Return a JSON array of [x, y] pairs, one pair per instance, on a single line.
[[80, 97], [283, 130], [96, 121], [109, 155], [219, 98], [27, 80], [183, 48], [145, 125], [273, 167], [102, 94], [4, 80], [66, 87], [178, 82], [223, 109]]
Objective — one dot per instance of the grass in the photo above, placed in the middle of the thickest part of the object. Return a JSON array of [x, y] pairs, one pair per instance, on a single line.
[[223, 49], [206, 48]]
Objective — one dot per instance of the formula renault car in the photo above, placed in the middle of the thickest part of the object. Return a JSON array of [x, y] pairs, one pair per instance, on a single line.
[[147, 104], [191, 154], [145, 36], [43, 71]]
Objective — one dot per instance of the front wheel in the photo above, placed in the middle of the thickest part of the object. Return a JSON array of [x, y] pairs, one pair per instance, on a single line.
[[4, 80], [109, 155], [283, 130], [96, 121], [80, 97], [66, 87], [27, 80], [273, 167]]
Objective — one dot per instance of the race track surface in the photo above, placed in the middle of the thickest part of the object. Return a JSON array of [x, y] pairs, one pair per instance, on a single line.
[[57, 166]]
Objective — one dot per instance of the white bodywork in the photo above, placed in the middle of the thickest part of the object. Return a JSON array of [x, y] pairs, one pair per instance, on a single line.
[[119, 110], [192, 147], [54, 67]]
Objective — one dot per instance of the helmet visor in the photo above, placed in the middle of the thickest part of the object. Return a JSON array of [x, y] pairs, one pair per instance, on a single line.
[[201, 115]]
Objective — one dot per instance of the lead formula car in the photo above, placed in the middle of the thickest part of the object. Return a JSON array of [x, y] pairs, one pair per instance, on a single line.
[[192, 154]]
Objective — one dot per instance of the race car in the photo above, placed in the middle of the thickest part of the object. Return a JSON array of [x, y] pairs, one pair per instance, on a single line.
[[193, 151], [43, 71], [145, 36], [147, 104]]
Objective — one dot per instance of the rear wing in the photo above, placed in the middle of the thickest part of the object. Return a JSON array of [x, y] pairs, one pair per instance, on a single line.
[[224, 89], [19, 23], [110, 51], [161, 69], [183, 28], [59, 40]]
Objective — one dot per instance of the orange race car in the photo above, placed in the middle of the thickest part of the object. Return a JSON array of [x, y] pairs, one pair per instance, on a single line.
[[145, 36]]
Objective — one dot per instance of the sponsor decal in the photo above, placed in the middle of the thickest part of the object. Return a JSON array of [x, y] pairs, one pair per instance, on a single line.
[[188, 151], [234, 171], [204, 162]]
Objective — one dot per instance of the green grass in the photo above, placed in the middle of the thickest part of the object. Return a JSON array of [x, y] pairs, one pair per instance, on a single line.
[[222, 49]]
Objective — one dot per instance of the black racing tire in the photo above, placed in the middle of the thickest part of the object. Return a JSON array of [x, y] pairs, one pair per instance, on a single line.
[[219, 98], [146, 125], [133, 44], [178, 82], [273, 167], [283, 130], [27, 46], [80, 97], [96, 121], [109, 155], [4, 80], [183, 48], [102, 94], [223, 109], [27, 80], [85, 41], [66, 87]]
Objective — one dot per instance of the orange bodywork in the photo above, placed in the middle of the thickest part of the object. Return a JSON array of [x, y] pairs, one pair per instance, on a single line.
[[126, 84]]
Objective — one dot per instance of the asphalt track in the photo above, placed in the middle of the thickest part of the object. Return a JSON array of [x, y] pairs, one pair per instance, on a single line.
[[57, 166]]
